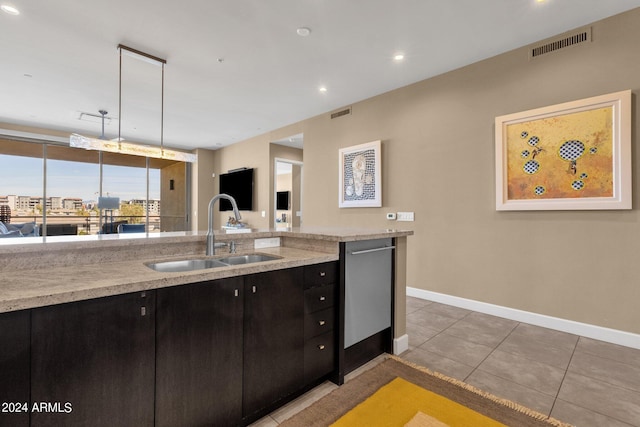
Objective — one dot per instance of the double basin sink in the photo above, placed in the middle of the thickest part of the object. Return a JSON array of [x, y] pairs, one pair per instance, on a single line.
[[201, 264]]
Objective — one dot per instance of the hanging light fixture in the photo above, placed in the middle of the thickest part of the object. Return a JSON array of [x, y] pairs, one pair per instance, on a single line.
[[123, 147]]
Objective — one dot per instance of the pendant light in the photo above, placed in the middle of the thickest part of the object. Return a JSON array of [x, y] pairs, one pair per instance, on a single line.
[[123, 147]]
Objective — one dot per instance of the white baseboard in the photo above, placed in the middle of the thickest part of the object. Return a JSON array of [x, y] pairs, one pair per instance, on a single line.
[[613, 336], [401, 344]]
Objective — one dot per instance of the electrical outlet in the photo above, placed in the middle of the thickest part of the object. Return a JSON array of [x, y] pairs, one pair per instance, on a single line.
[[391, 216], [405, 216], [269, 242]]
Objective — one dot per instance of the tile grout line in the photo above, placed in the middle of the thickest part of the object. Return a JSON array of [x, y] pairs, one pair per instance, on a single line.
[[444, 330], [492, 351], [562, 382], [566, 371]]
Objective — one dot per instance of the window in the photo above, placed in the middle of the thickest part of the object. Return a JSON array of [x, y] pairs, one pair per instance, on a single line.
[[65, 201]]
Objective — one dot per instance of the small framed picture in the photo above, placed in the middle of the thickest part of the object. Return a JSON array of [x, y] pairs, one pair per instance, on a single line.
[[360, 179]]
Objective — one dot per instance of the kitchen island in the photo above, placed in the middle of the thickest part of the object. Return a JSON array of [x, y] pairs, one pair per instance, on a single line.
[[170, 340]]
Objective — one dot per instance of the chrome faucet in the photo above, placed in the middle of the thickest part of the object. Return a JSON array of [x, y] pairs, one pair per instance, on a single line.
[[211, 241]]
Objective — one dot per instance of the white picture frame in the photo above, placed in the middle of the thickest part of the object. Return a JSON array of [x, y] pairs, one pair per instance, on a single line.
[[360, 176], [570, 156]]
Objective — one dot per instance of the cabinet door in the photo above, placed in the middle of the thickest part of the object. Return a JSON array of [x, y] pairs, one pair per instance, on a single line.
[[14, 369], [93, 362], [273, 338], [199, 354]]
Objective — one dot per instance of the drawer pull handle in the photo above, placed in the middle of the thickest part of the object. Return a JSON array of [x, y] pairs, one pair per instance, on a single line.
[[236, 293], [321, 322], [323, 298], [143, 311], [322, 274], [253, 289], [321, 347]]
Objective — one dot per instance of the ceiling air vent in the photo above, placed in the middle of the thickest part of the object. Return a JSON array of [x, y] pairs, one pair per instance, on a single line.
[[572, 39], [341, 113]]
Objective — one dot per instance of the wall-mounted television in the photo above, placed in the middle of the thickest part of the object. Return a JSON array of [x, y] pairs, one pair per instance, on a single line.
[[282, 200], [239, 185]]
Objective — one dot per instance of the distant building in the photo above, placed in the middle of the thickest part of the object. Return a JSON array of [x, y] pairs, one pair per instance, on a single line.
[[72, 204], [154, 205]]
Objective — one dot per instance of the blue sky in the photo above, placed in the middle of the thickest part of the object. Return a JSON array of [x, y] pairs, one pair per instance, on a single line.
[[23, 176]]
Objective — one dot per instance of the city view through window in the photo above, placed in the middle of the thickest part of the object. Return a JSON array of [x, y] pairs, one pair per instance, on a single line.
[[63, 191]]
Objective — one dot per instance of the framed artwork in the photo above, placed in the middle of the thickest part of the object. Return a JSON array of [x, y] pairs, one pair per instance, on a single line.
[[360, 182], [570, 156]]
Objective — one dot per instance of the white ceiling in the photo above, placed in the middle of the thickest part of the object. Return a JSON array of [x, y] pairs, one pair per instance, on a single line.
[[236, 69]]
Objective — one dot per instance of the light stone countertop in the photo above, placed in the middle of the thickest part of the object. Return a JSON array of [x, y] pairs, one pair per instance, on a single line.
[[41, 287], [80, 269]]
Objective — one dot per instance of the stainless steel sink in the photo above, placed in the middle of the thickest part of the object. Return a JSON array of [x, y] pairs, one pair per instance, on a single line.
[[185, 265], [247, 259], [200, 264]]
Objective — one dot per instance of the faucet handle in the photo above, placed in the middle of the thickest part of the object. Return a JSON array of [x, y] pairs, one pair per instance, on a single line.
[[232, 247]]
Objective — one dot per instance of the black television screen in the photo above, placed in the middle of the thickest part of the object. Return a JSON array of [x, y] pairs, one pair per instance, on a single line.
[[282, 200], [239, 185]]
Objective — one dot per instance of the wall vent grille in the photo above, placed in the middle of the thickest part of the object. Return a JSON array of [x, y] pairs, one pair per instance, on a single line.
[[581, 36], [341, 113]]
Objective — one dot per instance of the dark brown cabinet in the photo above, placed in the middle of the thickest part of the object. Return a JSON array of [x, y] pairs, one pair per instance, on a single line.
[[222, 352], [92, 362], [199, 354], [273, 338], [320, 320], [14, 369]]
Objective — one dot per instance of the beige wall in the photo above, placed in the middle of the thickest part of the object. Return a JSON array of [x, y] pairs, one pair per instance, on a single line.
[[438, 161], [202, 188], [258, 153], [172, 210]]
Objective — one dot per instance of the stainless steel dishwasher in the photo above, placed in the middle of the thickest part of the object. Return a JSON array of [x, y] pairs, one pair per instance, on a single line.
[[368, 285]]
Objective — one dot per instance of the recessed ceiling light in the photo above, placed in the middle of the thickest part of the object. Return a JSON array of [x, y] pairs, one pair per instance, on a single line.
[[322, 89], [398, 57], [9, 9], [303, 31]]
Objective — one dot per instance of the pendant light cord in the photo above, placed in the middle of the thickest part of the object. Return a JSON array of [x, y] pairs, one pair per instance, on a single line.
[[120, 99], [162, 114]]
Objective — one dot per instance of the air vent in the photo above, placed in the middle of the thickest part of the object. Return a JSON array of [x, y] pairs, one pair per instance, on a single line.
[[341, 113], [572, 39]]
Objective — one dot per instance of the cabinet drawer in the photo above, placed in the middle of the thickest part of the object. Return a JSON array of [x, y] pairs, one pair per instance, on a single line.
[[318, 323], [319, 298], [319, 356], [320, 274]]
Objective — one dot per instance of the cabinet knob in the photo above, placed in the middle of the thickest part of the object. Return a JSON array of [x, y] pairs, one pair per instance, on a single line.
[[322, 298], [322, 274], [253, 289], [236, 292], [322, 322], [143, 311], [321, 347]]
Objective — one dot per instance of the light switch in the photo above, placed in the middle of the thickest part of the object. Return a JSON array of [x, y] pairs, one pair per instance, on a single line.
[[405, 216]]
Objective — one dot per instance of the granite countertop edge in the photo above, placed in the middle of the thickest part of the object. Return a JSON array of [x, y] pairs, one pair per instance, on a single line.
[[32, 289]]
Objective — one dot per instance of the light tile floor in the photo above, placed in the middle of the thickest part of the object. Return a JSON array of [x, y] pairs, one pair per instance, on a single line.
[[578, 380]]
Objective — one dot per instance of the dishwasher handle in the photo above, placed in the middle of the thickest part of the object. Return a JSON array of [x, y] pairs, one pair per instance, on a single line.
[[367, 251]]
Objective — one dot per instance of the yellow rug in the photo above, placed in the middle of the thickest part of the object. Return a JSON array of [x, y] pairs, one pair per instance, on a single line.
[[398, 393], [401, 403]]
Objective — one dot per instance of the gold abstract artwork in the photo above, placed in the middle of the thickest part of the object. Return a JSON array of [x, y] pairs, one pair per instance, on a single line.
[[561, 157]]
